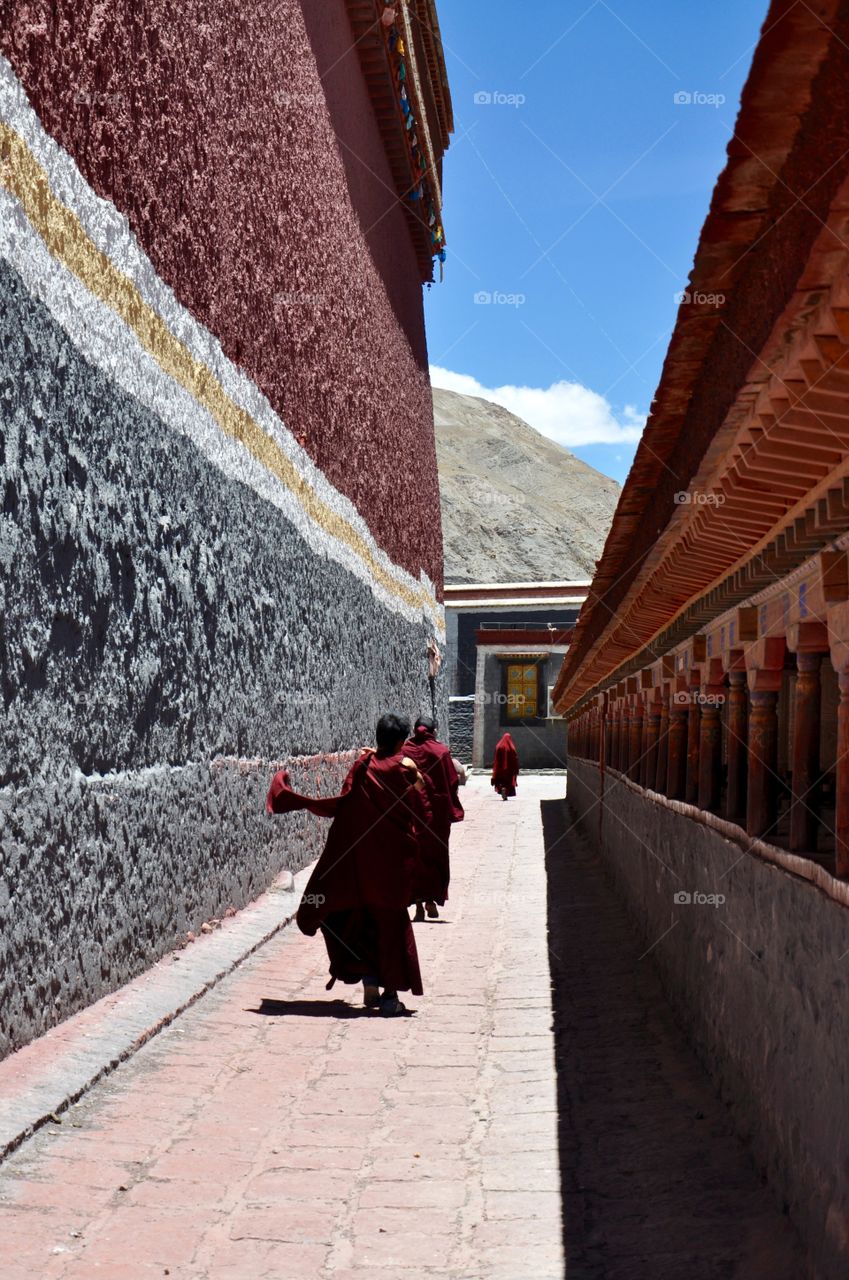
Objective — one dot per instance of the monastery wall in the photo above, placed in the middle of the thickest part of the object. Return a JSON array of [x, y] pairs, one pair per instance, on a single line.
[[219, 514], [753, 978]]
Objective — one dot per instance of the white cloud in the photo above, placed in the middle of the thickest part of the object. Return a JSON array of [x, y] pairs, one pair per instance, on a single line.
[[566, 412]]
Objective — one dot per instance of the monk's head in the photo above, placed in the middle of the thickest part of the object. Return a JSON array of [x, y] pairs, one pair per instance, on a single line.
[[391, 734], [424, 726]]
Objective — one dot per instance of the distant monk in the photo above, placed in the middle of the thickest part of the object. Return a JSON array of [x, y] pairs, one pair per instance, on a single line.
[[359, 892], [505, 770], [434, 868]]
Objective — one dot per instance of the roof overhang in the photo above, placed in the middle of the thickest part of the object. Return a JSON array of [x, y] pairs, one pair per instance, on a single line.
[[426, 87], [717, 484]]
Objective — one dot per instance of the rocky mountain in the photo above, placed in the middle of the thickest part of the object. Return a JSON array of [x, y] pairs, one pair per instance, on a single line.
[[516, 507]]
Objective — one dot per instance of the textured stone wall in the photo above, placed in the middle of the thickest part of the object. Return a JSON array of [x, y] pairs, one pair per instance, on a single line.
[[215, 135], [760, 980], [461, 725], [194, 589]]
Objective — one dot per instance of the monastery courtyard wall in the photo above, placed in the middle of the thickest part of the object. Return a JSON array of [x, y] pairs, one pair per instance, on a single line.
[[219, 511], [753, 964]]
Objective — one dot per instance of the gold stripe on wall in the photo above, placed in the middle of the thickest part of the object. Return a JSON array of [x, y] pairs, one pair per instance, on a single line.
[[68, 242]]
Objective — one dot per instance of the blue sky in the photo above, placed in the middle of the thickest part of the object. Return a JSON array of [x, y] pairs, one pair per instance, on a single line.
[[575, 191]]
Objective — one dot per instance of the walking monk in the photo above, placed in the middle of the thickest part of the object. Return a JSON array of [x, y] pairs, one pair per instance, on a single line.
[[505, 769], [434, 868], [359, 892]]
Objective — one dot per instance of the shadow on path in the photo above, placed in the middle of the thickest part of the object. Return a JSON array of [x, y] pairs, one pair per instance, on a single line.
[[655, 1183], [309, 1009]]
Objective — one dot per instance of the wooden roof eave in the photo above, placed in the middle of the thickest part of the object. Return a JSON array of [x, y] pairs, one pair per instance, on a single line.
[[791, 53]]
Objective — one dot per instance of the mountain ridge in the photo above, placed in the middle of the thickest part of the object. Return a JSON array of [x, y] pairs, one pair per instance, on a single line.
[[516, 506]]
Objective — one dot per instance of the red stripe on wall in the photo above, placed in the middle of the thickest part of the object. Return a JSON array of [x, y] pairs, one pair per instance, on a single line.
[[261, 193]]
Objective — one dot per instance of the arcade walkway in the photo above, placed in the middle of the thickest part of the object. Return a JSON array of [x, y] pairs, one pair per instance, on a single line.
[[274, 1131]]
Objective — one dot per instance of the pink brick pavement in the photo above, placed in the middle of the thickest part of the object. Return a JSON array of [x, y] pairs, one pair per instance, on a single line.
[[322, 1141]]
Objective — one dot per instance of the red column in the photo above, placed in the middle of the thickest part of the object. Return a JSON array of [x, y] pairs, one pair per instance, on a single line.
[[625, 738], [710, 757], [648, 771], [763, 759], [693, 729], [842, 815], [676, 773], [662, 742], [804, 819], [738, 736], [637, 717]]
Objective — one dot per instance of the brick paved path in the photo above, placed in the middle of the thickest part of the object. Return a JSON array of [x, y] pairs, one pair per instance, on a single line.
[[316, 1140]]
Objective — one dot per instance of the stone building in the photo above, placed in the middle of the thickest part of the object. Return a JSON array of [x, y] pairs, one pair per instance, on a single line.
[[219, 538], [707, 686], [505, 644]]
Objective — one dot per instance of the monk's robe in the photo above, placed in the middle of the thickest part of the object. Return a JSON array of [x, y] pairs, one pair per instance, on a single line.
[[434, 761], [360, 889], [505, 769]]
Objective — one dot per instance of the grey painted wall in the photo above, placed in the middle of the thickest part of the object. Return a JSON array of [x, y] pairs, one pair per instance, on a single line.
[[761, 983], [165, 635]]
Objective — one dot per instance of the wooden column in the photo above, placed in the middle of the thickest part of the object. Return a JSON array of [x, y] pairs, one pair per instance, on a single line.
[[622, 742], [764, 664], [804, 816], [625, 738], [648, 772], [763, 761], [809, 641], [710, 738], [662, 742], [676, 773], [710, 757], [842, 814], [738, 736], [693, 730], [637, 717]]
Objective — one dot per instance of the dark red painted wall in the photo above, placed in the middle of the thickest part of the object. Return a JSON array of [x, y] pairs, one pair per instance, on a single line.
[[209, 126]]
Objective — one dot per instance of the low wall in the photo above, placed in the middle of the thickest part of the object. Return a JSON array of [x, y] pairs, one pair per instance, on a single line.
[[756, 965], [461, 728]]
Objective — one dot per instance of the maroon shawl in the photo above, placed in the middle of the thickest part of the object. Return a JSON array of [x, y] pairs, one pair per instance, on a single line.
[[433, 869], [372, 847], [505, 769]]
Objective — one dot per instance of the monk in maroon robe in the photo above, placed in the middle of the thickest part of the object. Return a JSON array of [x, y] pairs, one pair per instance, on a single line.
[[434, 761], [359, 892], [505, 769]]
